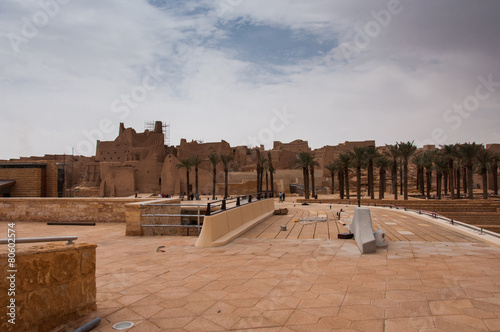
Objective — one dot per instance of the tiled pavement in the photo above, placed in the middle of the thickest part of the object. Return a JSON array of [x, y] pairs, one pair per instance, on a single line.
[[398, 226], [268, 284]]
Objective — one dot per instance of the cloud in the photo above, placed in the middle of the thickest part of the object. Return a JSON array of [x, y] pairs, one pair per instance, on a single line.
[[226, 65]]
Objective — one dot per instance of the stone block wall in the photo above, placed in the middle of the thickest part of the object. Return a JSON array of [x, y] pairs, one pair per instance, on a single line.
[[38, 179], [135, 218], [55, 284], [64, 209]]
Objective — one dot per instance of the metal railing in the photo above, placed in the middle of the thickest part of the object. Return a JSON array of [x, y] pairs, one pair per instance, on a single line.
[[70, 239], [211, 208], [155, 216], [234, 202], [436, 215]]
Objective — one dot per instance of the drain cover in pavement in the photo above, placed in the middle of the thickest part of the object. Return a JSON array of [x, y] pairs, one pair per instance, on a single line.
[[123, 325]]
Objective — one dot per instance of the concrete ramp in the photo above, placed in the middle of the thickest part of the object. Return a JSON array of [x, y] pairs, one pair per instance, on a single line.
[[361, 227]]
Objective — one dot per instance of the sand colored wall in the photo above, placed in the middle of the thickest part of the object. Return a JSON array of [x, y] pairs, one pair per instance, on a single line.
[[64, 209], [135, 218], [32, 181], [55, 284], [224, 227]]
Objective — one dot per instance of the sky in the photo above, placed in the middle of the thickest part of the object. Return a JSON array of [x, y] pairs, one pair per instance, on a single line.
[[249, 72]]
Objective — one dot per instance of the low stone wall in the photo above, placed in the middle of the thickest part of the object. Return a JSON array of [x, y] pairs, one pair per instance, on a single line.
[[135, 217], [54, 284], [65, 209]]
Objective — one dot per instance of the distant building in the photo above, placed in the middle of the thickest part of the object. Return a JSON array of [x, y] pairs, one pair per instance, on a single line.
[[142, 163]]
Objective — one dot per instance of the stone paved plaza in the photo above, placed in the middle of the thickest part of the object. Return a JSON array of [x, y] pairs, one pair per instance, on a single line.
[[430, 278]]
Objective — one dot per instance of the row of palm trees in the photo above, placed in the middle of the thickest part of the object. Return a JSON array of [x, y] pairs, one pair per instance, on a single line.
[[450, 163], [214, 159], [265, 167], [455, 165]]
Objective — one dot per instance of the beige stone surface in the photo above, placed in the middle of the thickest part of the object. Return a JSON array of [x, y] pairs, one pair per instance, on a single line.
[[435, 280], [55, 284]]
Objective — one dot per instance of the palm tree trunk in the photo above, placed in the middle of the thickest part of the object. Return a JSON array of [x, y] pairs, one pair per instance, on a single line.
[[418, 177], [271, 171], [422, 180], [394, 180], [341, 183], [258, 177], [371, 185], [226, 183], [445, 178], [305, 173], [429, 182], [369, 189], [196, 179], [358, 182], [451, 182], [464, 180], [458, 182], [312, 181], [494, 173], [267, 182], [262, 179], [214, 181], [346, 182], [438, 184], [271, 175], [333, 183], [405, 168], [469, 181], [187, 182], [384, 183], [484, 174], [381, 184], [401, 179]]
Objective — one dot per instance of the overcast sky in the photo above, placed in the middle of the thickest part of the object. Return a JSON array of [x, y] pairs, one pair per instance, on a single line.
[[248, 71]]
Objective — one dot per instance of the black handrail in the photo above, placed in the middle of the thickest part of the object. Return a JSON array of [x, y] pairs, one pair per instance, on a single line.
[[237, 201]]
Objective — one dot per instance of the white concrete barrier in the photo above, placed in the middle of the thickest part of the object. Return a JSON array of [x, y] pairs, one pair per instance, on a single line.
[[224, 227], [361, 227]]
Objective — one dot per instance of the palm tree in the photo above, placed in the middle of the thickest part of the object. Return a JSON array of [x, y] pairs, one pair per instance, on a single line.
[[428, 163], [382, 163], [469, 152], [345, 162], [371, 154], [263, 163], [417, 161], [332, 167], [449, 152], [340, 175], [407, 150], [393, 153], [358, 156], [457, 173], [266, 172], [186, 163], [214, 160], [311, 170], [259, 170], [304, 160], [485, 160], [196, 161], [226, 161], [271, 171], [465, 178], [441, 165]]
